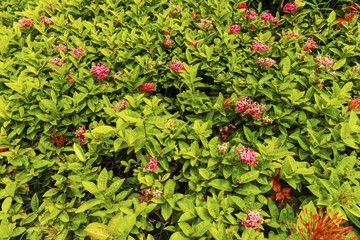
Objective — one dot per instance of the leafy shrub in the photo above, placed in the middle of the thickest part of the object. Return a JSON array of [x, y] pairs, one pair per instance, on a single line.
[[194, 119]]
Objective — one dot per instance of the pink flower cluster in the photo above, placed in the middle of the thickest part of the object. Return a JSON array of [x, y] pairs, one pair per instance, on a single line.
[[246, 155], [120, 105], [259, 46], [78, 52], [292, 34], [176, 65], [234, 28], [56, 61], [242, 5], [148, 193], [325, 61], [101, 70], [245, 105], [310, 44], [46, 20], [222, 147], [152, 165], [25, 22], [250, 14], [79, 133], [253, 219], [266, 62], [354, 104], [290, 7], [268, 17], [205, 24], [147, 87], [167, 41], [60, 48]]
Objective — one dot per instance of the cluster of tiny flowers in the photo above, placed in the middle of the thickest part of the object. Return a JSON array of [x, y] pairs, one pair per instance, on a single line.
[[70, 79], [78, 52], [234, 28], [193, 15], [101, 70], [79, 133], [167, 41], [250, 14], [267, 62], [310, 44], [290, 7], [259, 46], [222, 147], [60, 48], [148, 193], [354, 104], [325, 61], [47, 21], [351, 13], [253, 219], [169, 124], [246, 155], [56, 61], [147, 87], [205, 24], [152, 165], [267, 119], [357, 69], [120, 105], [292, 34], [242, 5], [268, 17], [25, 22], [176, 65], [176, 9], [245, 105]]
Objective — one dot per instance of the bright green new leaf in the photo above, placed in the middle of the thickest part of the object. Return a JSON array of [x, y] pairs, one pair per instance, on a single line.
[[102, 180], [79, 152], [98, 231]]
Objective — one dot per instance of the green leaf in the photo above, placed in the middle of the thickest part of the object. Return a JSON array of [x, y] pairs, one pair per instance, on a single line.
[[103, 130], [5, 206], [34, 202], [90, 187], [213, 207], [114, 187], [169, 188], [186, 228], [98, 231], [126, 225], [166, 211], [178, 236], [88, 204], [248, 177], [79, 152], [339, 64], [221, 184], [285, 63], [102, 180], [332, 17]]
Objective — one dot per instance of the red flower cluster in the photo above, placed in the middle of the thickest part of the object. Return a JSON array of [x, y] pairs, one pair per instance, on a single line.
[[266, 62], [3, 149], [147, 87], [70, 79], [245, 105], [46, 20], [350, 14], [354, 104], [25, 22], [268, 17], [234, 28], [152, 165], [279, 194], [79, 133], [246, 155], [290, 7], [253, 219], [310, 44], [120, 105], [176, 65], [58, 139], [319, 226], [242, 5], [147, 194], [78, 52], [101, 70], [259, 46], [167, 41]]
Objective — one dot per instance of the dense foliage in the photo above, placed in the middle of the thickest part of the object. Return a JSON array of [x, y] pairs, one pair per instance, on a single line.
[[185, 120]]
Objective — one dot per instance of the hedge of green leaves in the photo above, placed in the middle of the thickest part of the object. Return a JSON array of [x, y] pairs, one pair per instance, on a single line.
[[192, 119]]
